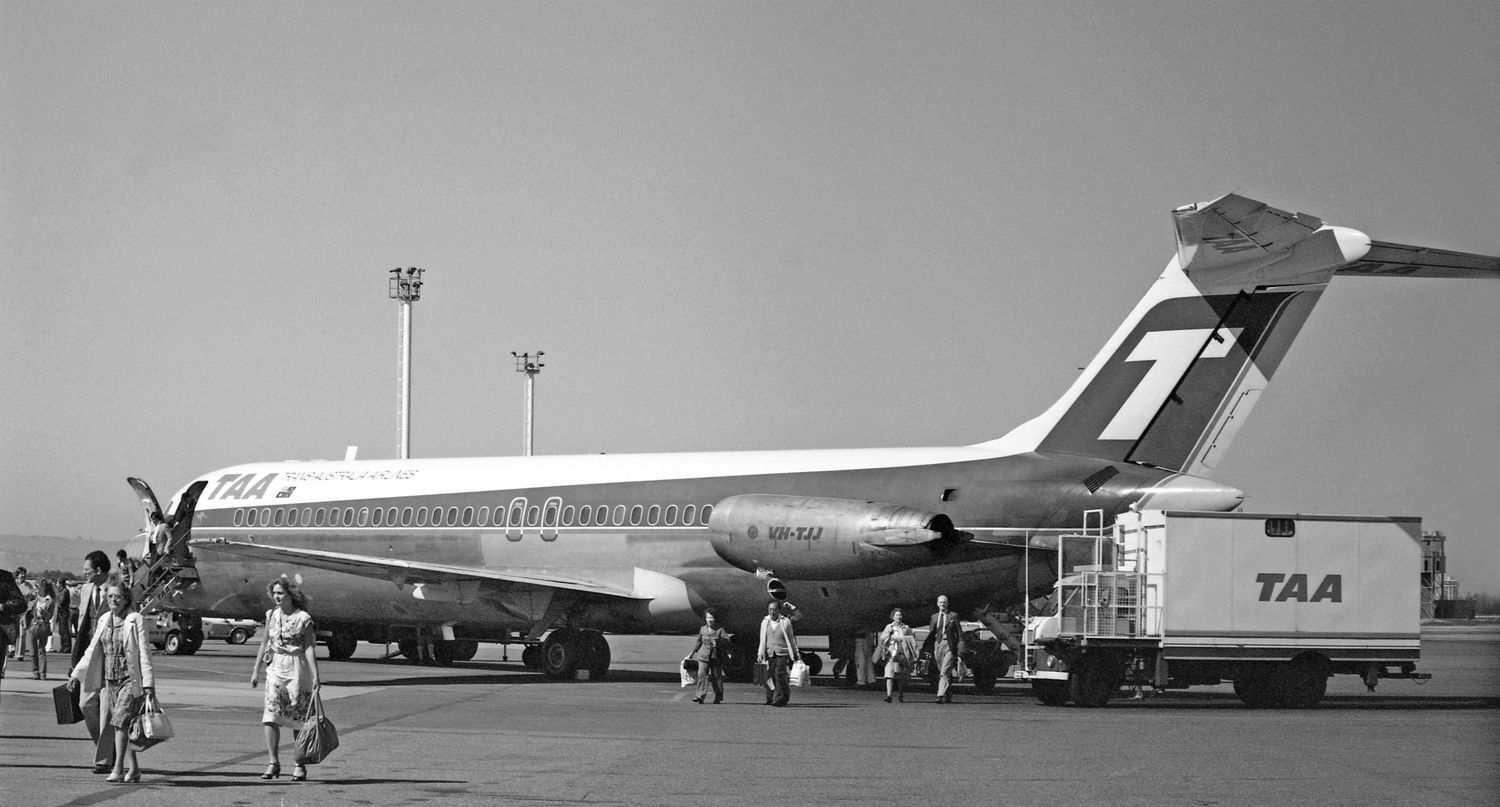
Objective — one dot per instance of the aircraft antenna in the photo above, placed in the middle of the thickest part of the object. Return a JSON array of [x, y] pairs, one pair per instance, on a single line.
[[405, 288], [526, 363]]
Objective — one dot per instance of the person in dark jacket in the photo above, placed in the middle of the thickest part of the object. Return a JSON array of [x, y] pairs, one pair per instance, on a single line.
[[12, 606], [711, 652]]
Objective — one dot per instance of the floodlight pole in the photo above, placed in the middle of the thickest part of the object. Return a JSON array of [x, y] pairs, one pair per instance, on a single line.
[[525, 363], [405, 288]]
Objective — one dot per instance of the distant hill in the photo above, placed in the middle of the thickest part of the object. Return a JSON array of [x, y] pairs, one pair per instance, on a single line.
[[41, 552]]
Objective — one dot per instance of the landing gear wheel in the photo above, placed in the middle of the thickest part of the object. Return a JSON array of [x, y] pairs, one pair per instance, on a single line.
[[560, 654], [238, 636], [1095, 679], [984, 682], [408, 648], [595, 653], [464, 649], [531, 657], [814, 662], [1050, 693], [341, 645], [442, 653]]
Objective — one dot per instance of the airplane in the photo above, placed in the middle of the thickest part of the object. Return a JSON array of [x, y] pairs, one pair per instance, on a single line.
[[555, 551]]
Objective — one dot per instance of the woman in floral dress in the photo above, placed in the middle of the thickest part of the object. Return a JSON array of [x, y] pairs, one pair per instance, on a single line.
[[287, 654], [118, 666]]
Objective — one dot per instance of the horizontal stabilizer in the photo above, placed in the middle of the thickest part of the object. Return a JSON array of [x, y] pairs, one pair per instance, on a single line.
[[406, 572], [1386, 259], [1233, 230]]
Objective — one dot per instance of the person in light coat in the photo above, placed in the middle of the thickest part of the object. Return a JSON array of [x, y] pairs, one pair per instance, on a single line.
[[116, 667]]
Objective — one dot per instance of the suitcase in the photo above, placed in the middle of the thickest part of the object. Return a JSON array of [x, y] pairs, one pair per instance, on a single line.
[[65, 703]]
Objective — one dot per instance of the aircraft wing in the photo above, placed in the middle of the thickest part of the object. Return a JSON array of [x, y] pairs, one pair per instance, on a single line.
[[1401, 260], [409, 572]]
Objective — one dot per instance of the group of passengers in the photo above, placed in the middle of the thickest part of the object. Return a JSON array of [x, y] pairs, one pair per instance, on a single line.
[[895, 652], [115, 682]]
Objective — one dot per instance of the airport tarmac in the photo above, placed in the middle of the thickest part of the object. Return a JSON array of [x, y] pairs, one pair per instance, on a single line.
[[491, 732]]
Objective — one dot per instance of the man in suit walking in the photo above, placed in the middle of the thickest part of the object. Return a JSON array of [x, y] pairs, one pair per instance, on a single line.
[[943, 633], [91, 606]]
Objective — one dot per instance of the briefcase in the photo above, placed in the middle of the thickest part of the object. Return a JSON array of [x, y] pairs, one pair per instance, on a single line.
[[65, 702]]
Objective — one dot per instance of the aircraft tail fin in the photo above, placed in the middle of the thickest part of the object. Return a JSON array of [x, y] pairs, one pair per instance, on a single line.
[[1178, 378]]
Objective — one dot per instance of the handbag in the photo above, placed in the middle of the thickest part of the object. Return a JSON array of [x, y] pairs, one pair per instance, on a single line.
[[761, 674], [688, 675], [150, 726], [801, 675], [318, 738], [65, 703]]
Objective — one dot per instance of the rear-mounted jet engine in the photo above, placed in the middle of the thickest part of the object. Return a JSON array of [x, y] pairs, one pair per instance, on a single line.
[[809, 538]]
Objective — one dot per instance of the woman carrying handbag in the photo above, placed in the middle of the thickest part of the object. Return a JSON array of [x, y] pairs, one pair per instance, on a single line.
[[117, 665], [287, 654]]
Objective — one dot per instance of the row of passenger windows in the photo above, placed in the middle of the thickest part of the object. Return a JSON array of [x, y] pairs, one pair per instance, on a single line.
[[519, 514]]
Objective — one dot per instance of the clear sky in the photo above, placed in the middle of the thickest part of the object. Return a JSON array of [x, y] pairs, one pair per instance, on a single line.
[[729, 225]]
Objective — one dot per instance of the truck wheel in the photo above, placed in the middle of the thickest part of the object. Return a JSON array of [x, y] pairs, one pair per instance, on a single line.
[[1304, 683], [238, 636], [984, 682], [531, 657], [192, 642], [1050, 693], [173, 644], [1257, 688], [1095, 679]]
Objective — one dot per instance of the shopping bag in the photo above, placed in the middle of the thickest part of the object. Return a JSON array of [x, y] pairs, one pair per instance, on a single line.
[[54, 643], [65, 702], [318, 738], [801, 675], [760, 674], [689, 670], [150, 726]]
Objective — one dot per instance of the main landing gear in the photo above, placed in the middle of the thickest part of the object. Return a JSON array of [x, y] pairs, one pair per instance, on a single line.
[[567, 652]]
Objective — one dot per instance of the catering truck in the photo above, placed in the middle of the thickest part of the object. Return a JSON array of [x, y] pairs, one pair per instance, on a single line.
[[1274, 604]]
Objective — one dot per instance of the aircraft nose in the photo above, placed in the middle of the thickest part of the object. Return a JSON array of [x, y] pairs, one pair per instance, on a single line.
[[1185, 492]]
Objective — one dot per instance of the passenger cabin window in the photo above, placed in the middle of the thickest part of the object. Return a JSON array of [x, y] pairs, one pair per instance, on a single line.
[[517, 512], [688, 513], [421, 516], [708, 510], [453, 516], [533, 515], [364, 516], [585, 516], [482, 518], [635, 516], [568, 514], [671, 517], [348, 516], [619, 519], [320, 517], [653, 515]]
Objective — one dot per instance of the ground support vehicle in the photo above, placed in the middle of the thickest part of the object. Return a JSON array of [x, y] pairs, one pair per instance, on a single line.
[[175, 633], [1274, 604]]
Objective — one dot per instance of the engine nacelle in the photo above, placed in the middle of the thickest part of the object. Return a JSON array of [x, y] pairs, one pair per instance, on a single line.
[[809, 538]]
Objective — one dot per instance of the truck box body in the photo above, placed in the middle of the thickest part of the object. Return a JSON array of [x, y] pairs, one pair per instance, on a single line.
[[1258, 586]]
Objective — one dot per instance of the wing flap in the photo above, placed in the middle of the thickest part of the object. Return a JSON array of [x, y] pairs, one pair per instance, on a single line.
[[410, 572], [1386, 259]]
